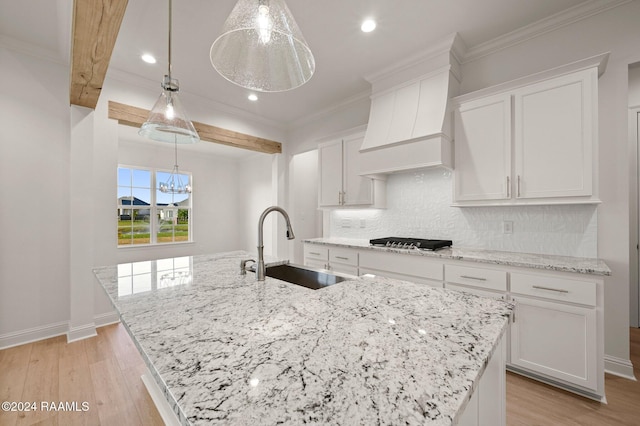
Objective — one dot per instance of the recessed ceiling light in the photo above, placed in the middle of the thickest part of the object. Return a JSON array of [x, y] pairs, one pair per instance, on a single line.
[[252, 97], [368, 25], [148, 58]]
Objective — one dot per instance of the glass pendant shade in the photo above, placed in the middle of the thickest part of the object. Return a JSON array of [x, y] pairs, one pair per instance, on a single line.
[[261, 48], [168, 121]]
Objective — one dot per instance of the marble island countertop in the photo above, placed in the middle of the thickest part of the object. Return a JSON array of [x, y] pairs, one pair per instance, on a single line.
[[226, 349], [582, 265]]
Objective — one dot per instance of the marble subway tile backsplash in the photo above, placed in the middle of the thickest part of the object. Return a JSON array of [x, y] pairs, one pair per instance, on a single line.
[[419, 205]]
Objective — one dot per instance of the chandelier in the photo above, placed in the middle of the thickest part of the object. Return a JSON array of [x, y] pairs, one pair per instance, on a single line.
[[174, 184]]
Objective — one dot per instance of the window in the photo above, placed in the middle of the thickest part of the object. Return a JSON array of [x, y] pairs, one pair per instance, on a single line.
[[145, 214]]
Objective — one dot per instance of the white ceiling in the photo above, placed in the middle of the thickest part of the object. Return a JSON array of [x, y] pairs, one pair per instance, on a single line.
[[343, 54]]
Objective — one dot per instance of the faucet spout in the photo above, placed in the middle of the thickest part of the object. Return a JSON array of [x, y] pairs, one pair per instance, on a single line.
[[260, 269]]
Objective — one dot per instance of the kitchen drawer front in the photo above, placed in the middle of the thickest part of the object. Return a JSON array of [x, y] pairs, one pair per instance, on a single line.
[[477, 291], [344, 269], [490, 279], [554, 288], [403, 277], [404, 264], [342, 256], [313, 251]]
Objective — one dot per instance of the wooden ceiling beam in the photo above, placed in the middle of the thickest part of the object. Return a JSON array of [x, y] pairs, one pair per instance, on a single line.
[[135, 117], [96, 24]]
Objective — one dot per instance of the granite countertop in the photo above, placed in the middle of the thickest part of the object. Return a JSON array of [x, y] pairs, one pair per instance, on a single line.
[[582, 265], [226, 349]]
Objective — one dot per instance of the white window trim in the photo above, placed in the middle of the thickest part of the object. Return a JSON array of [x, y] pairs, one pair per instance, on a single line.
[[154, 208]]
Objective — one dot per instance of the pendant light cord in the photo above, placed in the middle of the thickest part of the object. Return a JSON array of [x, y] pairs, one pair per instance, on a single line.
[[169, 73]]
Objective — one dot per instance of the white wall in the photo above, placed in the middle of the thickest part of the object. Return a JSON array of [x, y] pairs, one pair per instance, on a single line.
[[255, 193], [39, 277], [34, 171], [215, 199], [306, 219], [634, 123]]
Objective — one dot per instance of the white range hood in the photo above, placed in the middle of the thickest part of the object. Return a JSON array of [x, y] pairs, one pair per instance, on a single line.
[[410, 120]]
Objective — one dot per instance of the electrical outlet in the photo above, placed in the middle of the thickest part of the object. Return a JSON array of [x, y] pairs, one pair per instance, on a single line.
[[507, 227], [363, 223]]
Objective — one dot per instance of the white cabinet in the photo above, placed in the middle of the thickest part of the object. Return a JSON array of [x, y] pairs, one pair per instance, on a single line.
[[480, 281], [554, 332], [554, 127], [483, 149], [531, 144], [487, 405], [400, 266], [335, 259], [340, 184], [316, 256]]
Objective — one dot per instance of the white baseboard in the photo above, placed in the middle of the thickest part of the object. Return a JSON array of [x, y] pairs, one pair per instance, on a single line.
[[106, 319], [48, 331], [619, 367], [82, 332], [33, 334]]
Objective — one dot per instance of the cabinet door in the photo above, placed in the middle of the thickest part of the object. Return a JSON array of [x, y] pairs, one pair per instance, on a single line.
[[555, 339], [330, 173], [358, 190], [554, 123], [483, 149]]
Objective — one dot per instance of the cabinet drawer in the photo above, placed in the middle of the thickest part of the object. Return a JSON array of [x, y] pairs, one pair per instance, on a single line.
[[477, 291], [477, 277], [403, 277], [345, 257], [312, 251], [554, 288], [405, 264]]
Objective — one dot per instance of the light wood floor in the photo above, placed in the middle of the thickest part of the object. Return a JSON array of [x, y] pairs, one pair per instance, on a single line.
[[105, 372]]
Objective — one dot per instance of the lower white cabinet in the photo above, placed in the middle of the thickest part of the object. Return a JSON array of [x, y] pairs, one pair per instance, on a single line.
[[487, 406], [341, 260], [555, 329], [487, 282], [402, 267]]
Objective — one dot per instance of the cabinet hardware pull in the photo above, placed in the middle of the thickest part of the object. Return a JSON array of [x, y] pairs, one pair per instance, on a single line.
[[559, 290], [340, 197], [508, 187], [518, 186], [473, 278], [344, 198], [314, 253], [343, 258]]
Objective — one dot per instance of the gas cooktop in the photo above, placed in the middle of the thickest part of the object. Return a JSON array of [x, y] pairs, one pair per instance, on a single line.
[[410, 243]]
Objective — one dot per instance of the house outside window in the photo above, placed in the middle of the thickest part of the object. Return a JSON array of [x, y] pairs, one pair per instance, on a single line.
[[147, 216]]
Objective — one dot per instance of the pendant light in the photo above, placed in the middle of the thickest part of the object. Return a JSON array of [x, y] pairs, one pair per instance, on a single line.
[[261, 48], [168, 121], [174, 184]]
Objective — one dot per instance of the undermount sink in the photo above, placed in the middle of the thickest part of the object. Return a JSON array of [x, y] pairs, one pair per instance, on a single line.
[[303, 276]]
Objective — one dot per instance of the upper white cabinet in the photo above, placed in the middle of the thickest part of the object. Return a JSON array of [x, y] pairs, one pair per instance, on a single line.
[[340, 183], [483, 149], [554, 131], [531, 141]]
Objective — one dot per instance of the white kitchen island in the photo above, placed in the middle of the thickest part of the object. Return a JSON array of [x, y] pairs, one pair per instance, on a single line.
[[226, 349]]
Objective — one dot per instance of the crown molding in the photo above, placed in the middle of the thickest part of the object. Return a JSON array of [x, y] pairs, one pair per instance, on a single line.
[[551, 23], [318, 115]]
